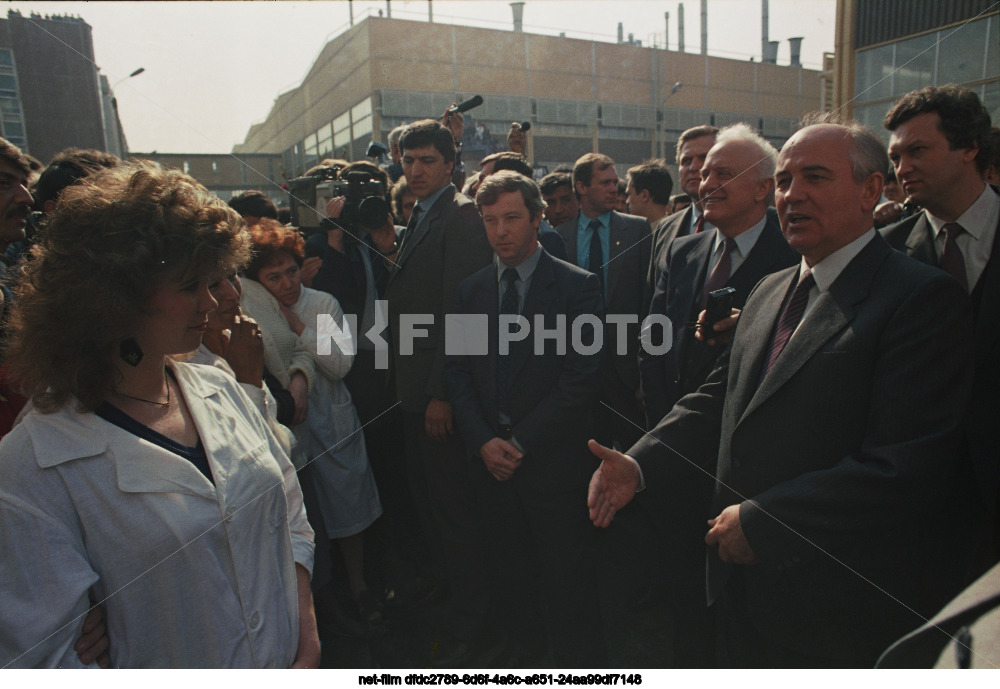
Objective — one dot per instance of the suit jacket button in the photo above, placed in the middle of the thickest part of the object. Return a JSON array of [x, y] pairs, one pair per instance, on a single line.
[[788, 564]]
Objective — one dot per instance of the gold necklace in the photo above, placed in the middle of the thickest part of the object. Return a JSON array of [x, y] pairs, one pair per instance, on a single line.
[[154, 403]]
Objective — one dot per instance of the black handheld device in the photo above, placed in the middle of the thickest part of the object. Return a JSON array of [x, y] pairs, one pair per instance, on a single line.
[[719, 306]]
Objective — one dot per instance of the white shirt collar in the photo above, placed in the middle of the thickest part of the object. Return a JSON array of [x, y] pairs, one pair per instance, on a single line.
[[829, 269], [744, 240], [977, 218]]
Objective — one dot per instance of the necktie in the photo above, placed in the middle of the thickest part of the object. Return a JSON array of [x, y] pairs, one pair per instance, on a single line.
[[596, 263], [410, 228], [952, 259], [700, 227], [510, 304], [789, 321], [720, 274]]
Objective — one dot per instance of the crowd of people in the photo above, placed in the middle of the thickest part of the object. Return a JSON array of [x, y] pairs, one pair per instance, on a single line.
[[764, 407]]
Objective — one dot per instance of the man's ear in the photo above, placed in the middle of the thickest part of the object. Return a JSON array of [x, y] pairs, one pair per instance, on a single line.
[[764, 189], [579, 187], [871, 190], [969, 154]]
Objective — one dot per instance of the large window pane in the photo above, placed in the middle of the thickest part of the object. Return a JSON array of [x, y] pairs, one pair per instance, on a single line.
[[361, 110], [991, 99], [915, 63], [961, 54], [362, 126], [874, 73], [993, 49], [341, 123]]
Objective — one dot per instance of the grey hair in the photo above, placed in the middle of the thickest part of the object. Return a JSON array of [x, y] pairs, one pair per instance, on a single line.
[[768, 160], [395, 135], [507, 181]]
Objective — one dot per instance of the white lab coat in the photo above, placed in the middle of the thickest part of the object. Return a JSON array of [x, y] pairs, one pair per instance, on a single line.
[[191, 574]]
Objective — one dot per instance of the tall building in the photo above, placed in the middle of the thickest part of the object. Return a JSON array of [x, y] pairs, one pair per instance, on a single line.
[[625, 100], [885, 49], [51, 95]]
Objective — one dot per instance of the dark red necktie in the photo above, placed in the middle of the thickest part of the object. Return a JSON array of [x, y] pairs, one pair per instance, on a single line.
[[789, 321], [700, 227], [721, 272], [952, 259]]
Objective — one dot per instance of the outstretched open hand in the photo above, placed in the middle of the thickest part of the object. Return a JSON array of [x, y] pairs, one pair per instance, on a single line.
[[612, 486]]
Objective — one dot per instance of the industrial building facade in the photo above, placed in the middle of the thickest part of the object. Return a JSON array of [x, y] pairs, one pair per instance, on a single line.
[[625, 100], [887, 49], [51, 94]]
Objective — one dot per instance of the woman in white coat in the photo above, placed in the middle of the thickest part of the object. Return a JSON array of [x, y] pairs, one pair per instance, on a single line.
[[147, 485], [331, 437]]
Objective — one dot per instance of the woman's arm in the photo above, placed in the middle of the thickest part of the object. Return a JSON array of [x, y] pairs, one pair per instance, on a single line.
[[307, 656]]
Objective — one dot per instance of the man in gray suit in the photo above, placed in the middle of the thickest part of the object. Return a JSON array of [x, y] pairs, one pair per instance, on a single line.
[[832, 431], [443, 244], [615, 247], [940, 147]]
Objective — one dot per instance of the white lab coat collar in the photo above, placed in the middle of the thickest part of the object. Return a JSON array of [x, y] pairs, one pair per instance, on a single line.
[[67, 435]]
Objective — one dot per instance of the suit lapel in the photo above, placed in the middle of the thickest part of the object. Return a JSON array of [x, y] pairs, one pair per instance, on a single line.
[[568, 232], [830, 314], [920, 243], [619, 241], [692, 277], [425, 225], [765, 257]]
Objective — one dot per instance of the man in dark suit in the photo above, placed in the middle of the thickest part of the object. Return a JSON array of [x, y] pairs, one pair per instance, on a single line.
[[832, 431], [738, 178], [616, 248], [745, 246], [692, 147], [940, 147], [524, 417], [443, 243]]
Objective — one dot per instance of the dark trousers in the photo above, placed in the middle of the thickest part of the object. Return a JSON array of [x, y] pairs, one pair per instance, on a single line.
[[740, 645], [541, 551], [442, 493]]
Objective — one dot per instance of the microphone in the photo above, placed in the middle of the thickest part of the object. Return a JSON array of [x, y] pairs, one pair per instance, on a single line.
[[525, 126], [465, 105]]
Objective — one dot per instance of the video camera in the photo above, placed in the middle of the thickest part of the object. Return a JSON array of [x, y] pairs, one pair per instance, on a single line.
[[365, 206]]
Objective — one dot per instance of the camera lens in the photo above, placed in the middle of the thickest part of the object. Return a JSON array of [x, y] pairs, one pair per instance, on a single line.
[[372, 212]]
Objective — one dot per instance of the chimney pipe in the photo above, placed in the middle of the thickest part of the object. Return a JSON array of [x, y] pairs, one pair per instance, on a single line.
[[796, 46], [518, 9], [631, 38], [764, 21], [680, 27], [350, 11], [430, 11], [704, 27], [388, 10], [771, 56], [666, 31], [621, 33]]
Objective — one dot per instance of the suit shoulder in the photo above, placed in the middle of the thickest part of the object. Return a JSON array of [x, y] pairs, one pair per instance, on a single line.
[[909, 272], [568, 270], [634, 221], [670, 220], [476, 279], [897, 233]]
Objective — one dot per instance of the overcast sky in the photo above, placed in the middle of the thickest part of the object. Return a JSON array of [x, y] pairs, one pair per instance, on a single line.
[[215, 68]]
